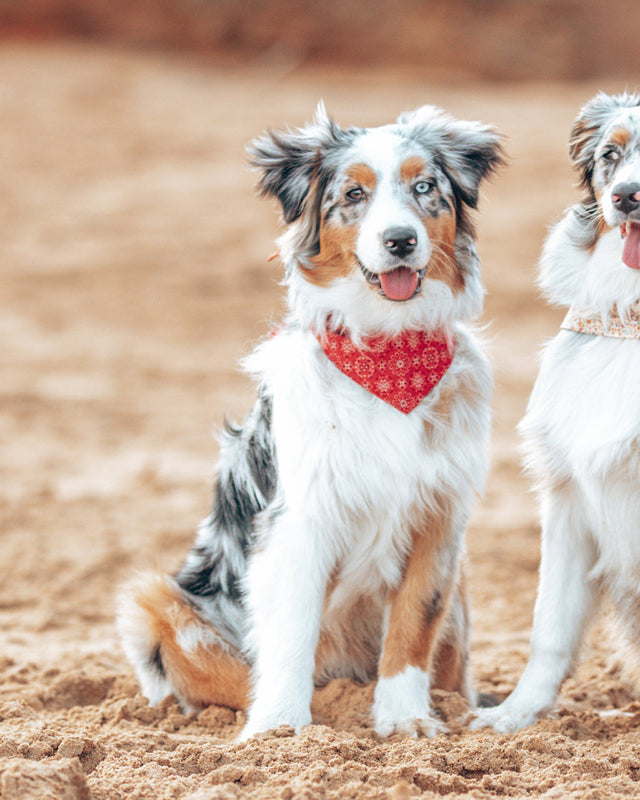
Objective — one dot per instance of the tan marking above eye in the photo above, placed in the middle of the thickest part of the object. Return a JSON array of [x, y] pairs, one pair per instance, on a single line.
[[412, 168], [362, 175], [620, 137]]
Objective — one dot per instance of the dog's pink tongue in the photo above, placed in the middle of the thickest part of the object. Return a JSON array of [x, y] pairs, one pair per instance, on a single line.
[[631, 251], [399, 284]]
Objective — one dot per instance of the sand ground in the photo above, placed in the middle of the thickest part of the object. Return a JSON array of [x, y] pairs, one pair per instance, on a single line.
[[133, 277]]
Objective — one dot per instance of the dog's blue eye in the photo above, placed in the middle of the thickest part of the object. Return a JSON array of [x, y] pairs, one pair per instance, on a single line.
[[423, 187], [354, 195]]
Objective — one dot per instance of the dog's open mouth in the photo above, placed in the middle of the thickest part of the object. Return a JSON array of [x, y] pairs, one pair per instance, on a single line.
[[630, 232], [401, 283]]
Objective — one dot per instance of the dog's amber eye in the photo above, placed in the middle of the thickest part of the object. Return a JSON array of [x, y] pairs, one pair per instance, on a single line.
[[355, 195], [424, 187], [611, 156]]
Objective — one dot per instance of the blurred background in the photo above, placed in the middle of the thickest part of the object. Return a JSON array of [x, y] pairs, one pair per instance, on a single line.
[[491, 39]]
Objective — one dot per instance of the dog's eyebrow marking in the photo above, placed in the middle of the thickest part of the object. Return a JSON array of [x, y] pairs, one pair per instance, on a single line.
[[363, 175], [411, 168], [620, 136]]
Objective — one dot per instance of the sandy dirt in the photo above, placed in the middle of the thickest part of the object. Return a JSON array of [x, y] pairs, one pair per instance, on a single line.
[[133, 277]]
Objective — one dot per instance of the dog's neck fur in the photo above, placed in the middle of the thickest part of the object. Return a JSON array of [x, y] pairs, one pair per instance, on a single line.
[[592, 279]]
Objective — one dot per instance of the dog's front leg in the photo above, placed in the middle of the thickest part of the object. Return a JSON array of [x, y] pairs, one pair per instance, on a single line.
[[415, 613], [286, 586], [565, 601]]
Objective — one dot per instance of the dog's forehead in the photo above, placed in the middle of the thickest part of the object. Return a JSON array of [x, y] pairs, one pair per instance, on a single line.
[[386, 148], [626, 123]]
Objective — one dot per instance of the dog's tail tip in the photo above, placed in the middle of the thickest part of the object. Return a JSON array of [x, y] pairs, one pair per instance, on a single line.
[[174, 650], [141, 621]]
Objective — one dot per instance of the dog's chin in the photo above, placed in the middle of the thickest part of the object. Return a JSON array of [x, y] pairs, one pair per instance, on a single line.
[[397, 285], [630, 232]]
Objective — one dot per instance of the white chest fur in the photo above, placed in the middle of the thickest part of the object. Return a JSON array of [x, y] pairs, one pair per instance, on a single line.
[[360, 468], [586, 401], [583, 423]]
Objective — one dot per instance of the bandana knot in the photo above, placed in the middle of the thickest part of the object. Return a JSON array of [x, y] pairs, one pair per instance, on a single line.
[[401, 370]]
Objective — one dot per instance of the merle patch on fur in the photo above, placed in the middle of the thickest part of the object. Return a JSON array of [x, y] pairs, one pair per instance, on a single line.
[[433, 606], [288, 161], [247, 485], [156, 663]]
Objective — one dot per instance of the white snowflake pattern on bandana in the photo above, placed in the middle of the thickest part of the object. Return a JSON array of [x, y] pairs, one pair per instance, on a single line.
[[401, 371]]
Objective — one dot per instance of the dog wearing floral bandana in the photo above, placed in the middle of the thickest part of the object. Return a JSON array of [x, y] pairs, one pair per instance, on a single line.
[[582, 426], [334, 548]]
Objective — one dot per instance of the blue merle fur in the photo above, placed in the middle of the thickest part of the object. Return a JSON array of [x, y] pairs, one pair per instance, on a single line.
[[213, 572]]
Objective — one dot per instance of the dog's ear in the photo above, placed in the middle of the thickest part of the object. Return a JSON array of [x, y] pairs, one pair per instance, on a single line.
[[467, 151], [587, 128], [288, 161]]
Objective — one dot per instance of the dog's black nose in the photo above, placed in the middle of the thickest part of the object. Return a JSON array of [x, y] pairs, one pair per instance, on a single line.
[[400, 241], [626, 197]]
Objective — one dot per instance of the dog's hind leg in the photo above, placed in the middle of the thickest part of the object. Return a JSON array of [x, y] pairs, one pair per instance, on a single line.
[[175, 651]]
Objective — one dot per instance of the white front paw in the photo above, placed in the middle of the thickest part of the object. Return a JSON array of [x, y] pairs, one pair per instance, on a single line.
[[401, 705], [259, 722], [505, 718], [412, 726]]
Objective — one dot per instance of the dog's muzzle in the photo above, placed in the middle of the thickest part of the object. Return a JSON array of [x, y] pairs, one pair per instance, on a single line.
[[625, 198]]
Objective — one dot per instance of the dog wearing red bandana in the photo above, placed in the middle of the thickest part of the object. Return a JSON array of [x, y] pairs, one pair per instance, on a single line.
[[334, 548], [582, 426]]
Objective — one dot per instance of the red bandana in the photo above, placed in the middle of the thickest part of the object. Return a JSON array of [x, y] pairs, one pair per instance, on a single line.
[[401, 371]]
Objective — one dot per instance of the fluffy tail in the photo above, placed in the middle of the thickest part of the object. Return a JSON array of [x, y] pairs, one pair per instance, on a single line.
[[174, 651]]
